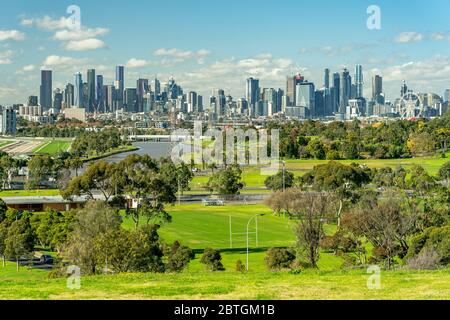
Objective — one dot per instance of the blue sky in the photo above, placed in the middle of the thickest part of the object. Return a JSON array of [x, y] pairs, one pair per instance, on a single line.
[[211, 44]]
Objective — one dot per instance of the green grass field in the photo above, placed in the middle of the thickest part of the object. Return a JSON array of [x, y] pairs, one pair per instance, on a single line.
[[201, 227], [255, 180], [53, 147]]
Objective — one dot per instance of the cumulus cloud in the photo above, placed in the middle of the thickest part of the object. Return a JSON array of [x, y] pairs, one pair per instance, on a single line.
[[55, 61], [80, 39], [85, 44], [47, 23], [80, 34], [181, 54], [230, 74], [137, 63], [5, 57], [434, 69], [11, 35], [406, 37]]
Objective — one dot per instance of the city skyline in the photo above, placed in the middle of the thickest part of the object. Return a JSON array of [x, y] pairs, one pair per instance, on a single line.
[[34, 36]]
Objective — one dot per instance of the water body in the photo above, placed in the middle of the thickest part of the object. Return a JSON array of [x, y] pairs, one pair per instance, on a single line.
[[156, 150]]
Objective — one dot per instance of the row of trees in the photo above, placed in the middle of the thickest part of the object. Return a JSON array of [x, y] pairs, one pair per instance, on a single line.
[[340, 140], [401, 227]]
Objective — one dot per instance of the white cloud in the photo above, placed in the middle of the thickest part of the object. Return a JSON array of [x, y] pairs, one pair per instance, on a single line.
[[25, 69], [28, 68], [54, 60], [86, 44], [80, 34], [11, 35], [80, 39], [138, 63], [181, 54], [47, 23], [436, 68], [5, 57], [406, 37]]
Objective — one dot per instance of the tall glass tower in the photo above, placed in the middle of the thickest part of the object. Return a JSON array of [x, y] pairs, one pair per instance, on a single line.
[[78, 92], [120, 85], [46, 90], [359, 81]]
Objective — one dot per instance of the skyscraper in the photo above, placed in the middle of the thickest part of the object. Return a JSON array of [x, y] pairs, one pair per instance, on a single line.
[[291, 83], [252, 92], [130, 99], [69, 95], [57, 100], [90, 90], [326, 80], [446, 97], [46, 89], [78, 91], [377, 87], [120, 85], [359, 81], [141, 90], [345, 90], [404, 89], [100, 98], [305, 99]]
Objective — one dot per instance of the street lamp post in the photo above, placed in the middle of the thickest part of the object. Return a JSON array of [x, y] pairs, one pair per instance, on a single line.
[[284, 180], [248, 225]]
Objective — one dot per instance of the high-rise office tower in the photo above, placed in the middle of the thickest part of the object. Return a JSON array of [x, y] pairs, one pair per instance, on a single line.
[[345, 90], [326, 80], [109, 92], [141, 89], [335, 92], [46, 89], [192, 102], [291, 83], [404, 89], [78, 91], [377, 87], [305, 99], [100, 98], [359, 81], [218, 101], [90, 103], [156, 87], [130, 99], [69, 95], [120, 85], [252, 92], [199, 103], [57, 100], [446, 96]]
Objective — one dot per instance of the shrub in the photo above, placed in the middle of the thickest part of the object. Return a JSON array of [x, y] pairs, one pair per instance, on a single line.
[[279, 258], [427, 259], [240, 267], [434, 237], [179, 257], [212, 259]]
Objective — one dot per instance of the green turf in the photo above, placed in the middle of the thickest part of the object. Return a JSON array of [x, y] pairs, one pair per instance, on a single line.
[[4, 143], [53, 147], [25, 193], [201, 227]]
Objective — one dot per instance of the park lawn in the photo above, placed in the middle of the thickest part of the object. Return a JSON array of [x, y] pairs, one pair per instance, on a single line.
[[254, 179], [200, 227], [53, 147], [195, 285], [4, 143], [26, 193]]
